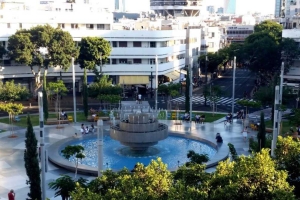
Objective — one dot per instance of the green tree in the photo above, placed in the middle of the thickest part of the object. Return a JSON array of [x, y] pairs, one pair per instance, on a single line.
[[75, 151], [64, 185], [287, 158], [103, 85], [214, 95], [85, 94], [12, 109], [196, 158], [273, 28], [32, 163], [261, 135], [290, 52], [59, 89], [42, 46], [187, 92], [9, 91], [233, 152], [110, 98], [167, 89], [93, 51], [253, 177], [45, 97], [249, 104]]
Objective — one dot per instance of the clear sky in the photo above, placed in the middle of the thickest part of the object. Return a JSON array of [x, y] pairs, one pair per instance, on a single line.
[[243, 6]]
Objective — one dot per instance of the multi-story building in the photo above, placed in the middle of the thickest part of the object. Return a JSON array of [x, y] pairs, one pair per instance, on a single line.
[[176, 8], [212, 39], [238, 33], [134, 48], [230, 6]]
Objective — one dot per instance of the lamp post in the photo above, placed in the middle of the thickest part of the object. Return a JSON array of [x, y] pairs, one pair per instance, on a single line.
[[42, 145], [156, 81], [151, 79], [275, 125], [205, 87], [100, 146], [191, 88], [100, 62], [280, 96], [74, 91], [233, 84]]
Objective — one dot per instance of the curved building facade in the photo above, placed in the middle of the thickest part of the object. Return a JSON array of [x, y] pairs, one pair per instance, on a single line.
[[176, 8]]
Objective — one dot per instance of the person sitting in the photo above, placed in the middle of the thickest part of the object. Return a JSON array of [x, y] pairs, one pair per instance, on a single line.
[[87, 130], [92, 111], [63, 114], [186, 117], [82, 129], [92, 129], [197, 118], [202, 118], [229, 118], [219, 138]]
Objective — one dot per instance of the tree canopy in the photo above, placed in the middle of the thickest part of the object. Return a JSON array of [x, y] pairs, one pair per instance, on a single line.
[[42, 46], [93, 51], [9, 91]]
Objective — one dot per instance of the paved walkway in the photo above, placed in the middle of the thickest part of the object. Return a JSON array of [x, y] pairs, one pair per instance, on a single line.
[[12, 170]]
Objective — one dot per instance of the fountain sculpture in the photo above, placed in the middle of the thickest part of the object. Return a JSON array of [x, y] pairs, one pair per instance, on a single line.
[[138, 127]]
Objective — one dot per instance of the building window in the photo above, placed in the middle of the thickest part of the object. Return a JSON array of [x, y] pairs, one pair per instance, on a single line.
[[61, 25], [124, 61], [8, 25], [137, 61], [114, 61], [122, 44], [90, 26], [152, 44], [152, 61], [212, 34], [100, 26], [137, 44], [20, 25], [114, 44], [74, 26], [210, 44]]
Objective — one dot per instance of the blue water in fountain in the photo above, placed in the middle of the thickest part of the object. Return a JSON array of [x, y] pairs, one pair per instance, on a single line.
[[117, 156]]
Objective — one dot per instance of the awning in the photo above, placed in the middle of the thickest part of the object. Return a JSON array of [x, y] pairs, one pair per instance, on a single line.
[[173, 75], [181, 71], [133, 80]]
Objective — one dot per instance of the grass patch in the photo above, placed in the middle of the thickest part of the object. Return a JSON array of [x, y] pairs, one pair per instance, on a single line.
[[35, 119], [286, 125], [209, 117]]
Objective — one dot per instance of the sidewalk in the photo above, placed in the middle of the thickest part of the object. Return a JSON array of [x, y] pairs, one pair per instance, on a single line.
[[12, 170]]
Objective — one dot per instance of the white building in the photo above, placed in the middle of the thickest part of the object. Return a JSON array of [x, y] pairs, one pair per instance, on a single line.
[[238, 33], [212, 39], [133, 49]]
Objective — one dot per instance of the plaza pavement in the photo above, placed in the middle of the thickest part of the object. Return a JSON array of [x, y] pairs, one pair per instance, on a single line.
[[12, 170]]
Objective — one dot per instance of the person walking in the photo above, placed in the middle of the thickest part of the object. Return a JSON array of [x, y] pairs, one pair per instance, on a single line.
[[245, 133], [11, 195], [219, 139]]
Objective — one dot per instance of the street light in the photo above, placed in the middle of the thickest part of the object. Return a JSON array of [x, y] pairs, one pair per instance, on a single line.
[[74, 91], [191, 88], [233, 84], [100, 53], [156, 81], [205, 87], [42, 145]]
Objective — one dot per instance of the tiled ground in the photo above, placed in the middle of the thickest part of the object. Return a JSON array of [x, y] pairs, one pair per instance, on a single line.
[[12, 170]]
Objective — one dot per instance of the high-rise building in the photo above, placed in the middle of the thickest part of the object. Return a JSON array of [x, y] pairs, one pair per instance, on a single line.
[[117, 4], [176, 8], [210, 9], [220, 10], [230, 6]]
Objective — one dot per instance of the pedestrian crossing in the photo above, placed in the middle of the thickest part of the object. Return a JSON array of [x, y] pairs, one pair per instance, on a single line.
[[227, 101]]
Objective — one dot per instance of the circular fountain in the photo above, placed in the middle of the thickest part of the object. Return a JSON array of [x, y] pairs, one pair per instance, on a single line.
[[138, 128]]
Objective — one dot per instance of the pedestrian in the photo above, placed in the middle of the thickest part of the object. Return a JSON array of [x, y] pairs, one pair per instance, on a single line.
[[140, 98], [245, 133], [82, 129], [219, 138], [11, 195]]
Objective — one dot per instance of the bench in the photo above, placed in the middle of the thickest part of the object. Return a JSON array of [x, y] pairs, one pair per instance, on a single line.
[[269, 130], [55, 121], [95, 119]]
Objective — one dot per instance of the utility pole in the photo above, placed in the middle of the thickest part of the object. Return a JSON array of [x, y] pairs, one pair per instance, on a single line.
[[100, 146], [74, 91], [205, 87], [191, 88], [151, 88], [275, 125], [156, 81], [280, 97]]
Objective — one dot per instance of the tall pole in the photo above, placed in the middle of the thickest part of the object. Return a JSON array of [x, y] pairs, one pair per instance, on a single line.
[[280, 97], [151, 87], [156, 81], [100, 146], [191, 88], [275, 125], [42, 145], [205, 87], [100, 63], [233, 84], [74, 92]]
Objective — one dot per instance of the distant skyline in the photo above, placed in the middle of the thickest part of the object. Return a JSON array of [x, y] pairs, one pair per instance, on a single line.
[[242, 7]]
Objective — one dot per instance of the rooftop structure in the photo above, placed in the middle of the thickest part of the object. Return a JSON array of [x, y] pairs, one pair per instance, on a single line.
[[176, 8]]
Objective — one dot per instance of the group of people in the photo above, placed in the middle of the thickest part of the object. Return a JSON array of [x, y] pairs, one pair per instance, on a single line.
[[229, 118], [198, 118], [86, 130]]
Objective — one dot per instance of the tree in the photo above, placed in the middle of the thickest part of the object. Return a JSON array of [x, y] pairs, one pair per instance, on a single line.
[[85, 95], [170, 88], [32, 163], [290, 52], [233, 152], [42, 46], [59, 89], [111, 99], [12, 109], [9, 91], [287, 154], [64, 185], [214, 95], [253, 177], [249, 104], [45, 99], [261, 135], [196, 158], [274, 29], [93, 51], [103, 85], [75, 151], [187, 92]]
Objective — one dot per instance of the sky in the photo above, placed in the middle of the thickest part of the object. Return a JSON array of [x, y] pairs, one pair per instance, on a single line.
[[243, 6]]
